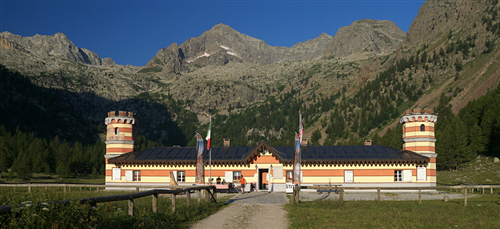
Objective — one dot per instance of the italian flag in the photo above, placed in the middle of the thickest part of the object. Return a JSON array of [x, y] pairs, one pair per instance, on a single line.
[[209, 133]]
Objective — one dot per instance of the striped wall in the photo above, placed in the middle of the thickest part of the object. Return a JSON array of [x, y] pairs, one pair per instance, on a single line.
[[312, 175]]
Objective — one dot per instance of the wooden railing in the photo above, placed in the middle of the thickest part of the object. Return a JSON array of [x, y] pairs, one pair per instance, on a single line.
[[210, 195], [340, 190]]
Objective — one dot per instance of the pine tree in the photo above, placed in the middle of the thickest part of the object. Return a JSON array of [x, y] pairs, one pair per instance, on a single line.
[[22, 166]]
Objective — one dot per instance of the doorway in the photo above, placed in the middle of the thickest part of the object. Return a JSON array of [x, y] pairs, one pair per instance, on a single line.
[[263, 180]]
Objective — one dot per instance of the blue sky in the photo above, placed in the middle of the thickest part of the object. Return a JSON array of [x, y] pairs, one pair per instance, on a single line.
[[131, 32]]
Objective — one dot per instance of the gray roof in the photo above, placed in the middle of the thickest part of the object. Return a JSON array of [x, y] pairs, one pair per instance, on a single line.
[[310, 155]]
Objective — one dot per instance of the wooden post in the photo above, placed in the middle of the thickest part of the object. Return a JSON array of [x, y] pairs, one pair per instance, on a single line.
[[199, 196], [465, 199], [173, 203], [29, 189], [491, 191], [188, 198], [341, 195], [298, 194], [137, 189], [378, 194], [131, 207], [155, 202], [97, 187], [64, 188], [482, 190], [293, 196], [420, 196], [207, 195], [46, 188]]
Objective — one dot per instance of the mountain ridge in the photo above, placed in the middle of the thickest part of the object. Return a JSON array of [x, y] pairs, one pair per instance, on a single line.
[[222, 44]]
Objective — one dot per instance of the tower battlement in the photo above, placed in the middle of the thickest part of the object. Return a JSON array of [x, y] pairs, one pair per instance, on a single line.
[[418, 115], [122, 117]]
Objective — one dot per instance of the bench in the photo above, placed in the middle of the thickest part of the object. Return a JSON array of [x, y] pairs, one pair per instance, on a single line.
[[220, 187]]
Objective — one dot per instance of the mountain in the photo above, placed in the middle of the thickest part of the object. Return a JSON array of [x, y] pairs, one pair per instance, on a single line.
[[348, 88], [222, 44]]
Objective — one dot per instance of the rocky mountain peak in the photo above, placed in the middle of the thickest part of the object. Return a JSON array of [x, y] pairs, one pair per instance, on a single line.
[[44, 46], [366, 37]]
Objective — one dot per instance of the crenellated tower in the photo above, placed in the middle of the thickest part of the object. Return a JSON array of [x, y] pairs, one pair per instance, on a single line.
[[120, 136], [418, 131]]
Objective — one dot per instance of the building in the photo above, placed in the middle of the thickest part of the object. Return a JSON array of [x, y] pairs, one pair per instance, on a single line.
[[270, 168]]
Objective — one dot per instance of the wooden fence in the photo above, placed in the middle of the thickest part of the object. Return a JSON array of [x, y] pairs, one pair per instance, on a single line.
[[209, 191], [340, 190]]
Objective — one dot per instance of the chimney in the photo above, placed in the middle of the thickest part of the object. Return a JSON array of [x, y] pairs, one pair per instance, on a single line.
[[227, 142], [368, 142]]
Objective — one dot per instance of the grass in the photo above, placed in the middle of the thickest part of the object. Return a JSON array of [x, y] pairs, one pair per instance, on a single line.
[[481, 170], [46, 178], [481, 212], [104, 215]]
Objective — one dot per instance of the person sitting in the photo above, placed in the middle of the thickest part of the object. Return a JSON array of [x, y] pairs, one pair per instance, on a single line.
[[223, 181], [218, 180]]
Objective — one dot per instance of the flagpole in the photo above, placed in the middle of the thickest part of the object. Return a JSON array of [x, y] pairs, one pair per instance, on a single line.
[[210, 151], [210, 162]]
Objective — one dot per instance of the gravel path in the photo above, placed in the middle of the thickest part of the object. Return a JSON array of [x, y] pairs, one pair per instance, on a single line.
[[249, 210]]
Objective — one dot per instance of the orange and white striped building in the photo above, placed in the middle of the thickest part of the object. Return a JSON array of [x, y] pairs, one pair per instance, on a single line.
[[270, 167]]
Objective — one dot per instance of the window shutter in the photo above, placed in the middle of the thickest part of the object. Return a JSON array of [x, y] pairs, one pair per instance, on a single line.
[[229, 176], [129, 175], [421, 173], [407, 175], [175, 176], [278, 172], [349, 176], [117, 174], [301, 176]]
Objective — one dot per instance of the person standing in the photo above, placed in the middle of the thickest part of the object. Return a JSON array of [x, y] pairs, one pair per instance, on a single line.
[[218, 180], [243, 183]]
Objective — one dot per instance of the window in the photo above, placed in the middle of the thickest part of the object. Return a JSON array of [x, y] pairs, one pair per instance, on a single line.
[[422, 127], [137, 175], [181, 176], [117, 131], [237, 176], [398, 175], [289, 175]]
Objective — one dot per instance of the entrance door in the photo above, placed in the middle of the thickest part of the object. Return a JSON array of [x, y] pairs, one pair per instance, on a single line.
[[263, 179]]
